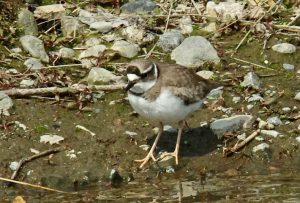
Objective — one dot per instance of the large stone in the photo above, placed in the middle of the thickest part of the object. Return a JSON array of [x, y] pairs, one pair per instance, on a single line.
[[27, 23], [94, 51], [50, 12], [35, 47], [101, 26], [284, 48], [33, 64], [221, 126], [126, 49], [66, 53], [90, 57], [138, 6], [194, 51], [100, 76], [170, 40]]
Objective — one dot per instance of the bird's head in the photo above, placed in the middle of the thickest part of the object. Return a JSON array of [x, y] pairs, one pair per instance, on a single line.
[[142, 75]]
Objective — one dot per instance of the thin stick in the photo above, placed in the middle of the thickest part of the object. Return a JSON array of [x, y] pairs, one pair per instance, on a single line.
[[35, 186], [254, 64], [62, 66], [236, 147], [25, 160], [152, 49], [294, 20], [168, 18], [61, 90], [242, 41], [198, 11]]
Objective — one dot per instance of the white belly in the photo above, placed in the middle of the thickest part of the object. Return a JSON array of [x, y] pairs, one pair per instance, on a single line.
[[167, 108]]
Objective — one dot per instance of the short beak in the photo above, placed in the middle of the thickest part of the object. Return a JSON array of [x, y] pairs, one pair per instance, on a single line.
[[130, 85]]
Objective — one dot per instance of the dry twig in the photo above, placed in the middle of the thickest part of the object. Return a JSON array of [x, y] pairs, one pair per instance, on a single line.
[[237, 146], [28, 159], [254, 64], [60, 90]]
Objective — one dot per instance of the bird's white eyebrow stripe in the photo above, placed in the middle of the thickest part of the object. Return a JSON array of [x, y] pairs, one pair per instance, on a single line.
[[132, 77]]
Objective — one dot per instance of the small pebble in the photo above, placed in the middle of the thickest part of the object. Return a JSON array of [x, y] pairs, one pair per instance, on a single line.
[[242, 136], [286, 109], [259, 138], [236, 99], [261, 147], [250, 106], [298, 139], [287, 66], [13, 165], [275, 120]]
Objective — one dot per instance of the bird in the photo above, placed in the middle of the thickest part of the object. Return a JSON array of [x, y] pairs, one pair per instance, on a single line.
[[167, 94]]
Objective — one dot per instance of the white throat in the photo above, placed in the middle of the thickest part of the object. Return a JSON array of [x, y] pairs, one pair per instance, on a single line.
[[142, 86]]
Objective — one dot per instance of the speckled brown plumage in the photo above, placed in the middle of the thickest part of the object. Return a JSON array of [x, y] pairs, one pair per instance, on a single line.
[[183, 82]]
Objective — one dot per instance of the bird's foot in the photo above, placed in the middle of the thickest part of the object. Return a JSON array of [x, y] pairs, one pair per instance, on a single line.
[[146, 159], [174, 154]]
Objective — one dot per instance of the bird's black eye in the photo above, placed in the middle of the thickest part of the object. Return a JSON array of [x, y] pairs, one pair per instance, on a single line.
[[133, 70]]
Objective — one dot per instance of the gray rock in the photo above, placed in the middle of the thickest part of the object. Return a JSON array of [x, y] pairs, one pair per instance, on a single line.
[[286, 109], [94, 51], [194, 51], [35, 47], [71, 26], [205, 74], [211, 27], [236, 99], [101, 26], [137, 35], [250, 106], [297, 96], [275, 120], [26, 83], [185, 24], [114, 177], [50, 12], [255, 97], [100, 76], [93, 41], [33, 64], [284, 48], [138, 6], [170, 40], [66, 53], [261, 147], [225, 10], [287, 66], [5, 104], [27, 23], [88, 18], [13, 165], [90, 57], [251, 80], [126, 49], [221, 126]]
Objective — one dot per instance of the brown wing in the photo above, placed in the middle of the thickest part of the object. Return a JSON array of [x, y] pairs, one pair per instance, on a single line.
[[183, 82]]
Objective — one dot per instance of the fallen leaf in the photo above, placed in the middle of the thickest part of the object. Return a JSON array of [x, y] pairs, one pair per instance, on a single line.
[[19, 199]]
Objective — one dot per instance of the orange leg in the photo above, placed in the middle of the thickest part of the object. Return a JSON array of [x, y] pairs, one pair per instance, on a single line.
[[176, 151], [150, 154]]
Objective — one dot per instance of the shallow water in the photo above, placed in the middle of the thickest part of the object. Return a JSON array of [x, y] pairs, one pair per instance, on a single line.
[[257, 188]]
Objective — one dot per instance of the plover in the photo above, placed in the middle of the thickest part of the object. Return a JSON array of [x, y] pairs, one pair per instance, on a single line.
[[167, 94]]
